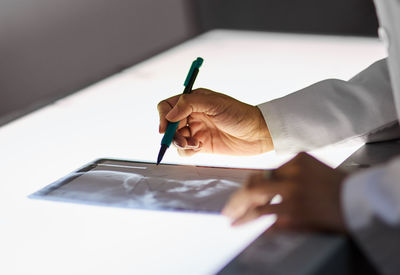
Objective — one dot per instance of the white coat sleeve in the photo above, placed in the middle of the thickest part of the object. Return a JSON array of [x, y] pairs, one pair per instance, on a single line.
[[371, 204], [334, 110]]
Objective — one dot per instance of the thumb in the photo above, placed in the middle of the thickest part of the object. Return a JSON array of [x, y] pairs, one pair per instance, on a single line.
[[175, 114], [191, 103]]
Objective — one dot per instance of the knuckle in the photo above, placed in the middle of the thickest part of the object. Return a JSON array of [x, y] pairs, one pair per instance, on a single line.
[[197, 90], [161, 104], [184, 99], [302, 155], [201, 91], [164, 107]]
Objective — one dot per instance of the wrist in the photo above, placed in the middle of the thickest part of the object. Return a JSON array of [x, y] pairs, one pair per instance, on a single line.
[[263, 134]]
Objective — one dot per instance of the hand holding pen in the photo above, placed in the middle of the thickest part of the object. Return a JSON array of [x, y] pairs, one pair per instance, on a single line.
[[211, 122], [173, 126]]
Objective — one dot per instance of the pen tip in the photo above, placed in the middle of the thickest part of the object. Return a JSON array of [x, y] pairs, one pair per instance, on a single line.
[[161, 153]]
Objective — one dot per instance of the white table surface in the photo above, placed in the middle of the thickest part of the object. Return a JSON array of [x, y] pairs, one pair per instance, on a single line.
[[117, 118]]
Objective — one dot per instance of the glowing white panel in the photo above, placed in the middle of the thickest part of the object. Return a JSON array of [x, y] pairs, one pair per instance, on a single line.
[[117, 118]]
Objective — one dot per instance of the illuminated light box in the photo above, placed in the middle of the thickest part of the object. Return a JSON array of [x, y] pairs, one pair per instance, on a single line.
[[117, 118]]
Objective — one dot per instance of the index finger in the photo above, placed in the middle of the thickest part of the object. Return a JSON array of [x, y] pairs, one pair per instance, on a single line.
[[257, 191], [163, 108]]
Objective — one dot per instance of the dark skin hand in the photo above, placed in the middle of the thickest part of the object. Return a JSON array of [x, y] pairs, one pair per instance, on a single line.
[[310, 193]]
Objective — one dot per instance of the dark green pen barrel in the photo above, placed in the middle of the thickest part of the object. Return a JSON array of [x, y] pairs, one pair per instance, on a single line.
[[173, 126], [169, 133], [189, 86]]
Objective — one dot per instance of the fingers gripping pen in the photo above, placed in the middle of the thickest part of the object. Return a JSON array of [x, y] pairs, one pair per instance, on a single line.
[[173, 126]]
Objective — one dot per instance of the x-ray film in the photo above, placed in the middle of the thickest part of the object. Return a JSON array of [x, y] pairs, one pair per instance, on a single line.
[[141, 185]]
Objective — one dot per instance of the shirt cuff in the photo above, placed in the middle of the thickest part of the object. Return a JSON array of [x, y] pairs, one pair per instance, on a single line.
[[277, 127]]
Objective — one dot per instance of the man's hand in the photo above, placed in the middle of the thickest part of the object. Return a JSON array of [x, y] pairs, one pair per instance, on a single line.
[[310, 193], [215, 123]]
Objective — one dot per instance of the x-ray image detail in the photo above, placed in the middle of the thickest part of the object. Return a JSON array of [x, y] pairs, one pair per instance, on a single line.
[[147, 186]]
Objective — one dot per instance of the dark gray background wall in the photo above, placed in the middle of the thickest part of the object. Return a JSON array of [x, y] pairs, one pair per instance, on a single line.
[[351, 17], [51, 48]]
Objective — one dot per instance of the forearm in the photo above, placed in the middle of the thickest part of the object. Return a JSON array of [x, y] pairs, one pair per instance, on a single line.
[[333, 110]]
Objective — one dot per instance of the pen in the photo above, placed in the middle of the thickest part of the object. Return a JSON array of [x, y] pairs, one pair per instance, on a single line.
[[172, 126]]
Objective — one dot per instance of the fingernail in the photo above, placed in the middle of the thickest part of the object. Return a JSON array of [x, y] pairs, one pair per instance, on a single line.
[[179, 146], [191, 143], [198, 147]]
